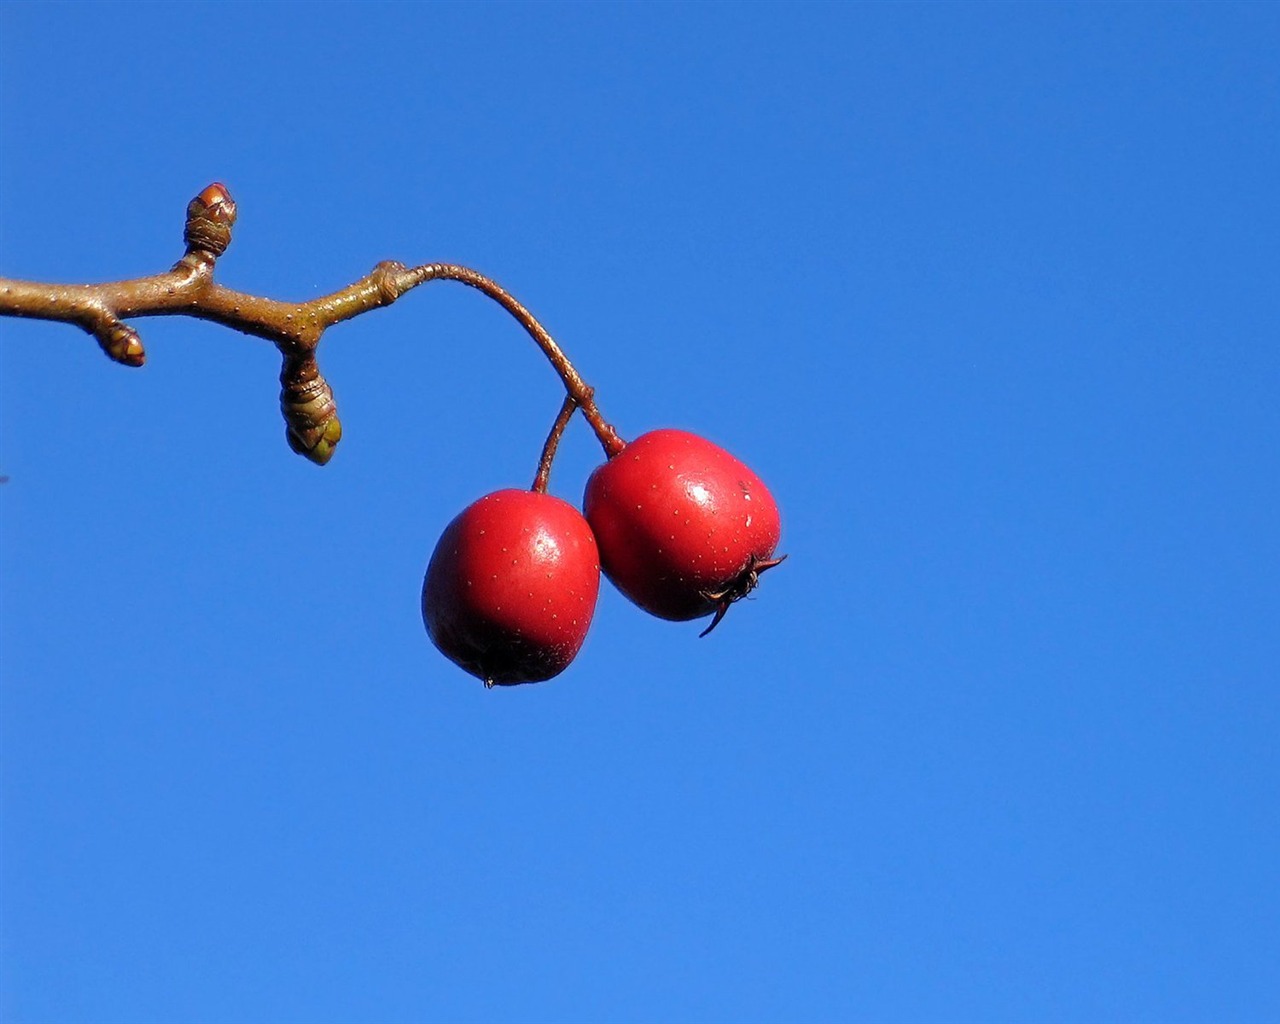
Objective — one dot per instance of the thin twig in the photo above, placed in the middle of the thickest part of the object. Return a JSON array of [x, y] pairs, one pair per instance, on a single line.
[[295, 328]]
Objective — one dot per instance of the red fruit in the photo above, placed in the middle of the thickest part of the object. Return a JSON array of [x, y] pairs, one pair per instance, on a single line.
[[684, 528], [511, 588]]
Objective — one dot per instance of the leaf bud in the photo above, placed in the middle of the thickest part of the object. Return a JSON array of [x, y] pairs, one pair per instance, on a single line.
[[312, 427], [121, 343], [210, 216]]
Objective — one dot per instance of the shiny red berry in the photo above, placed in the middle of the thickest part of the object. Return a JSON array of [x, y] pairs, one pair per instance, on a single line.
[[511, 588], [684, 528]]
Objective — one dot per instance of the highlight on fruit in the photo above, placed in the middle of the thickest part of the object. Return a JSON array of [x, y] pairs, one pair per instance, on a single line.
[[681, 528]]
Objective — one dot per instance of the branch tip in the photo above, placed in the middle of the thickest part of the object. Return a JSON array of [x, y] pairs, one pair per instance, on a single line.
[[210, 216]]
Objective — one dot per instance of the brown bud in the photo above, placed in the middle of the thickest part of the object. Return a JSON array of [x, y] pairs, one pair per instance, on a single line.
[[121, 343], [312, 427], [210, 216], [217, 195]]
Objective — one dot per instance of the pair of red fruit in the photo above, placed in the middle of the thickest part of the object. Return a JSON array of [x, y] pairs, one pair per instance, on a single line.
[[679, 525]]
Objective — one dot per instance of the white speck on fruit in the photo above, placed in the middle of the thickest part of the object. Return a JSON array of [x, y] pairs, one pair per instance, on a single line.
[[698, 492]]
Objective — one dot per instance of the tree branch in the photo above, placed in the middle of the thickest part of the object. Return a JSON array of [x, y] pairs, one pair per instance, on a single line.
[[295, 328]]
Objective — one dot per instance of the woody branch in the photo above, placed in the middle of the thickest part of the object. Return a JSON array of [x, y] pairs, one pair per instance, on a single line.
[[295, 328]]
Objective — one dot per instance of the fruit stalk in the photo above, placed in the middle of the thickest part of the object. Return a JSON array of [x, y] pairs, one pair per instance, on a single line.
[[543, 476], [574, 385]]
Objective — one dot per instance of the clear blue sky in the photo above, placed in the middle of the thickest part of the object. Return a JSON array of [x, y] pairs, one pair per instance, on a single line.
[[987, 294]]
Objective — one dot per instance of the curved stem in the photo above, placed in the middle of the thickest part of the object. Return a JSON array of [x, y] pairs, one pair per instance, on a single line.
[[576, 387], [543, 476]]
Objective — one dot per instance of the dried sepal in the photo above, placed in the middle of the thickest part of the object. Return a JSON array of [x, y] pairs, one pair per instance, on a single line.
[[210, 216], [312, 427], [746, 582], [121, 343]]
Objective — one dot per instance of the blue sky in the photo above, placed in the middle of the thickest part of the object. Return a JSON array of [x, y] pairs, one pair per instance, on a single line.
[[987, 295]]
